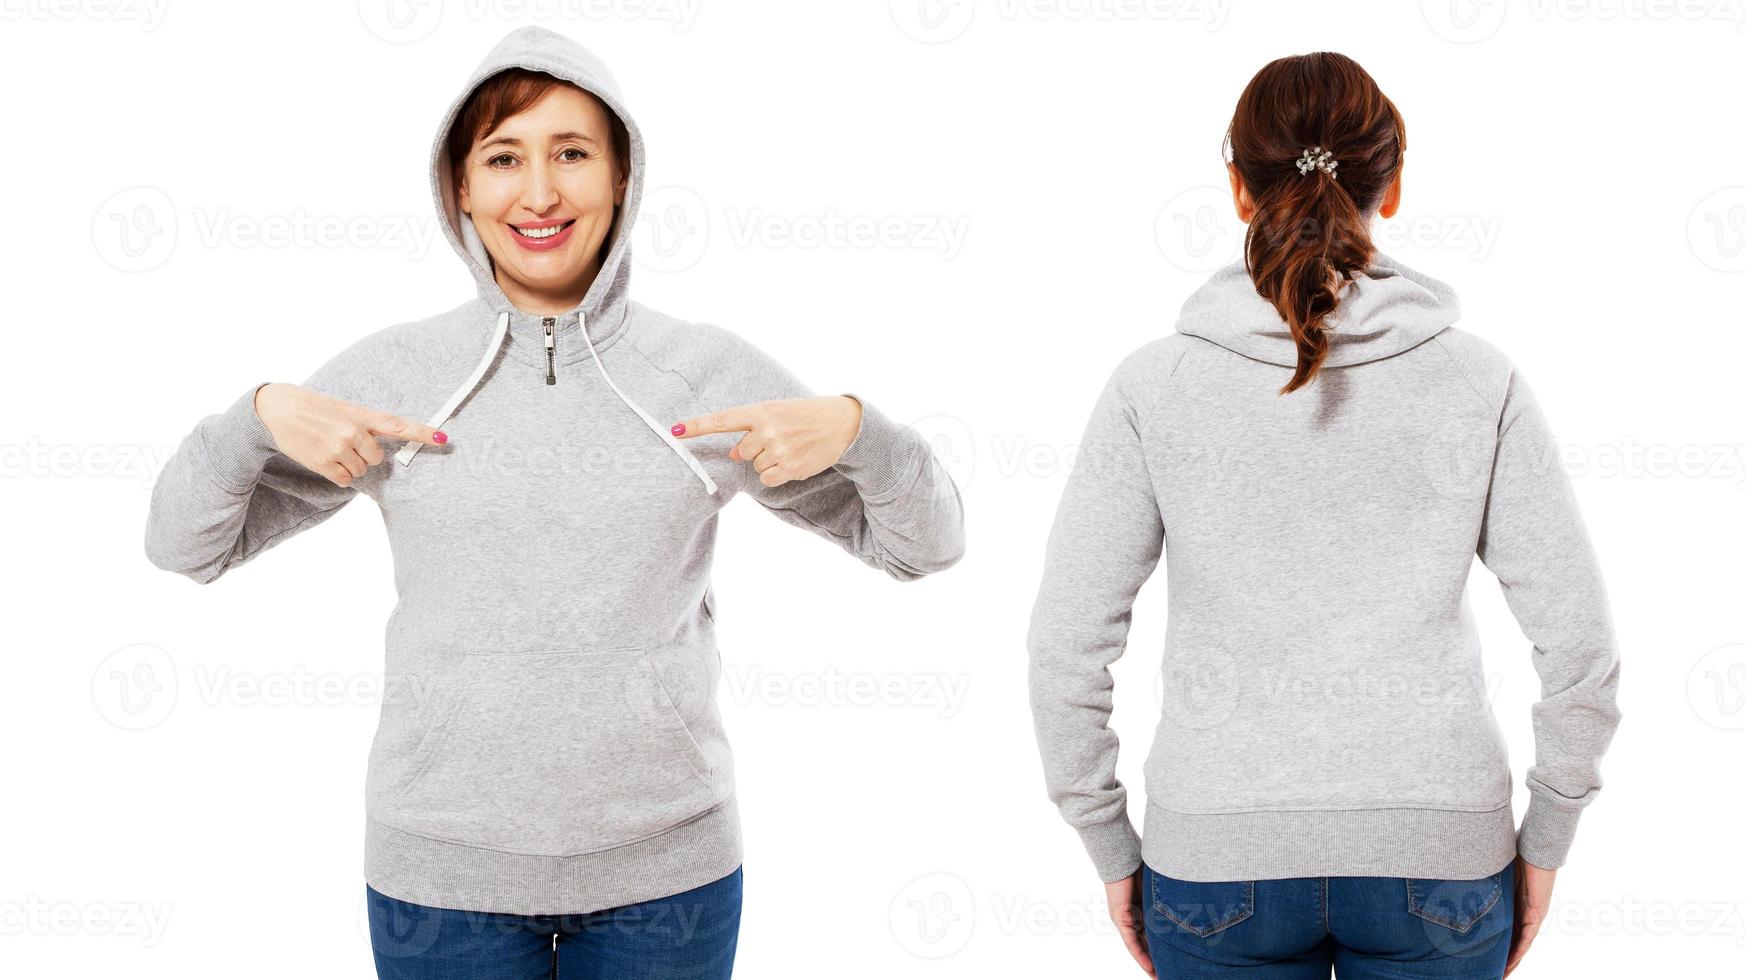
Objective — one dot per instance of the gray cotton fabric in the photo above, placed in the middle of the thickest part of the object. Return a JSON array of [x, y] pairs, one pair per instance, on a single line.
[[550, 741], [1322, 705]]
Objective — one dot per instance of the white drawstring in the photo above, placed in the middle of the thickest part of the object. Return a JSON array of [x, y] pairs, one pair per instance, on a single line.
[[404, 456], [659, 430]]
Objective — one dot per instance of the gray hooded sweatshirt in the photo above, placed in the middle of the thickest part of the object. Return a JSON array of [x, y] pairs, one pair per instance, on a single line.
[[1323, 706], [550, 741]]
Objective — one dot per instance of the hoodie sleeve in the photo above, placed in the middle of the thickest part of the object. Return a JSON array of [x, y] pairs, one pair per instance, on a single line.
[[1106, 541], [1534, 541], [227, 493], [888, 501]]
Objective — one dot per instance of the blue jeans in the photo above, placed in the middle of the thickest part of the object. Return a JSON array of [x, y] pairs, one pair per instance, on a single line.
[[692, 934], [1300, 928]]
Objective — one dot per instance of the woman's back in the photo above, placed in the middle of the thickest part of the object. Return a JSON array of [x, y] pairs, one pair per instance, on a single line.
[[1324, 453], [1322, 687]]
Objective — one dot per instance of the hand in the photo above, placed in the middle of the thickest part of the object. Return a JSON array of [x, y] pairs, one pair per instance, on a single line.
[[332, 437], [1125, 910], [786, 439], [1532, 904]]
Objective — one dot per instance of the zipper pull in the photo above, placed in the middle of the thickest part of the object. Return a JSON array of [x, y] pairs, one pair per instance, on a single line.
[[550, 351]]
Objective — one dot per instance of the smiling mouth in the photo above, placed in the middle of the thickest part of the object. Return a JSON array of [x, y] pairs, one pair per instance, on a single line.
[[537, 234]]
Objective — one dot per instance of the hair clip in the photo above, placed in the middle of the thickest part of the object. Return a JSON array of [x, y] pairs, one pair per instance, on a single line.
[[1318, 159]]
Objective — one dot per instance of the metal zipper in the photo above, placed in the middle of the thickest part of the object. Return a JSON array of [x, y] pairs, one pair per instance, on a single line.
[[550, 351]]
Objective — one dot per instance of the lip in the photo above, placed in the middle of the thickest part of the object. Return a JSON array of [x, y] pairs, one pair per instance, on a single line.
[[543, 244]]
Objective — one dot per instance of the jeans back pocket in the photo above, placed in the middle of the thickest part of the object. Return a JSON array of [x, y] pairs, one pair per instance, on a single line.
[[1203, 908], [1452, 903]]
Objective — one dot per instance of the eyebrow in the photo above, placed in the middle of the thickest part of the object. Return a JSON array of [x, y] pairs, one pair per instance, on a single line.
[[512, 141]]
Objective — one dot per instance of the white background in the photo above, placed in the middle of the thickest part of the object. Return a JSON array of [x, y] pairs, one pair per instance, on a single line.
[[186, 763]]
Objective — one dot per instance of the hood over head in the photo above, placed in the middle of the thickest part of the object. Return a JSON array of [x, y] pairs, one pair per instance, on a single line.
[[1386, 309], [603, 313], [540, 49]]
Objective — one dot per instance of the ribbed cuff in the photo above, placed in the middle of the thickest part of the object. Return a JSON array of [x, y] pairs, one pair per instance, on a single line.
[[1546, 832], [238, 444], [1113, 847], [881, 458]]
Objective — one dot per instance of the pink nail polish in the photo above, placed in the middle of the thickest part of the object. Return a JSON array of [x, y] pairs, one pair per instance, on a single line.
[[679, 429], [440, 436]]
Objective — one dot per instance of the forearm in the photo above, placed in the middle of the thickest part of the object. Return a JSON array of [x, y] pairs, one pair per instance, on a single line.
[[212, 506]]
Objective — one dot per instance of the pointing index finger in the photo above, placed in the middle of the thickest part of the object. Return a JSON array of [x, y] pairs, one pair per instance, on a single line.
[[740, 418], [395, 427]]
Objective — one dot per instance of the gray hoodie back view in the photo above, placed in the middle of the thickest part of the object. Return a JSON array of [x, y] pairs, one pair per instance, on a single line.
[[550, 741], [1323, 706]]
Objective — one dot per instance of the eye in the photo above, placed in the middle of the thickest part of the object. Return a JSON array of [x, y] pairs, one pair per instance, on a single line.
[[493, 161], [579, 154]]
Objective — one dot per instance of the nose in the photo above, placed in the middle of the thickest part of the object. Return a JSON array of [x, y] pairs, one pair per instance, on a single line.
[[541, 190]]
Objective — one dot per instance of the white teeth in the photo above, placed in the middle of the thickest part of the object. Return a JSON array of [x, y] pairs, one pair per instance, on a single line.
[[540, 232]]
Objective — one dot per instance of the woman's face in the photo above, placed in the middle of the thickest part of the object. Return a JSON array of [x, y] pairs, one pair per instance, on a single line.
[[540, 189]]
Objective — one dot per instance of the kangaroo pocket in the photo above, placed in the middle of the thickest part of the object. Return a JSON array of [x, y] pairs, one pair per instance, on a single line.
[[553, 753]]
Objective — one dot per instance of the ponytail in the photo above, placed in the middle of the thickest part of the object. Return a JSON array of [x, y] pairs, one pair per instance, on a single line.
[[1310, 230]]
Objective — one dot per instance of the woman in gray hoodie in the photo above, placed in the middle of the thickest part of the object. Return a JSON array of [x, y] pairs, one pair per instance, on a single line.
[[1324, 453], [550, 783]]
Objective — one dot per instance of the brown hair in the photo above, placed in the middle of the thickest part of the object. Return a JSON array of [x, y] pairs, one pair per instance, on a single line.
[[1310, 231], [511, 91]]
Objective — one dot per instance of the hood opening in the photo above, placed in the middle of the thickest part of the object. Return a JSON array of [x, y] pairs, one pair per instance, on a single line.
[[607, 302], [542, 50]]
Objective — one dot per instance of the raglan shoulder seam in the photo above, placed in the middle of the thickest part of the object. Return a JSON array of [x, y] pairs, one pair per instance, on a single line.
[[1465, 376], [630, 339], [1157, 405]]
